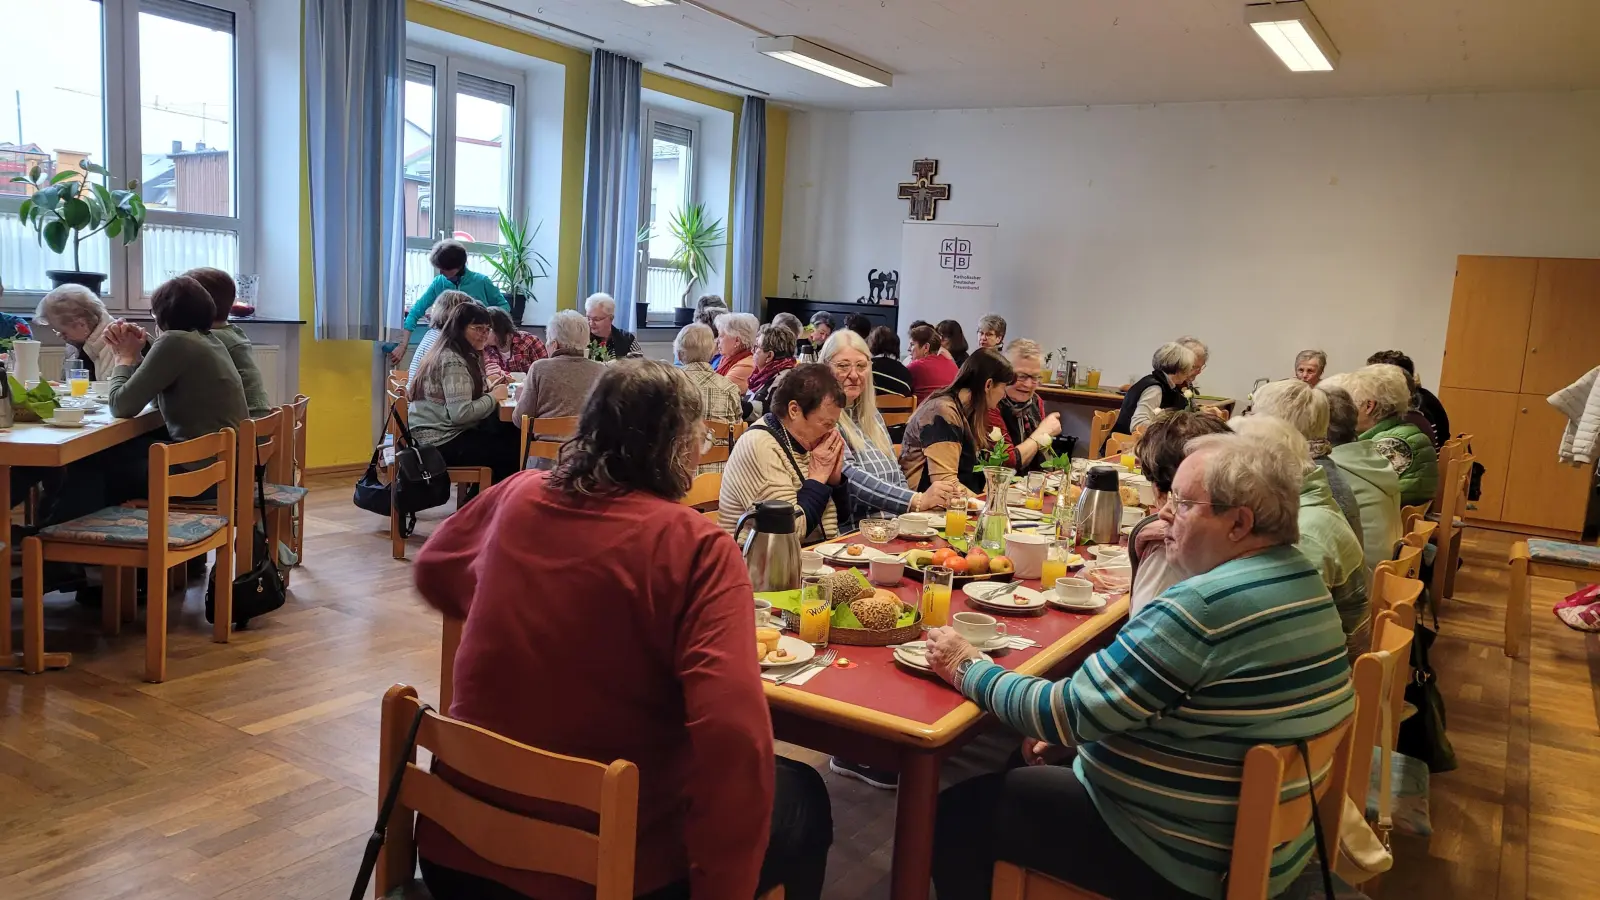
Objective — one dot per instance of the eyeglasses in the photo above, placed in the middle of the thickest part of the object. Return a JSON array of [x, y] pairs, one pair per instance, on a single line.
[[598, 318], [1180, 504], [841, 371], [479, 329], [1024, 378]]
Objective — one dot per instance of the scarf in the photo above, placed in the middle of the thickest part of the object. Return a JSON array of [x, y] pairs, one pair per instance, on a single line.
[[1024, 413], [760, 377], [1319, 448], [728, 362]]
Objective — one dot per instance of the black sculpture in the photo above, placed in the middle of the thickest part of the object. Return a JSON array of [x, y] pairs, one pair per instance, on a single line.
[[882, 287]]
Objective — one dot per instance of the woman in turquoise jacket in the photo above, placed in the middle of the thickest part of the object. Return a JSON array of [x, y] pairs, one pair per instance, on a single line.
[[449, 257]]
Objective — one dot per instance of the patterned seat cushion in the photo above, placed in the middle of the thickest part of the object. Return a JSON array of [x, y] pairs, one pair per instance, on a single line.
[[1565, 554], [284, 494], [130, 526]]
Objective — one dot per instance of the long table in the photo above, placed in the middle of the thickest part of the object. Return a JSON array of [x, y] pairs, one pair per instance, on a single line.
[[883, 715], [1077, 406], [38, 444]]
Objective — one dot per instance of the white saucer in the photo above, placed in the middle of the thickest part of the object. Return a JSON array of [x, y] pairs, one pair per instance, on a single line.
[[1097, 602], [802, 651], [921, 533], [837, 553], [914, 655], [823, 569], [979, 591], [54, 424]]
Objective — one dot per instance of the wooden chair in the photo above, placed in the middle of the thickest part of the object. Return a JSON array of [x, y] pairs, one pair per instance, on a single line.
[[1118, 443], [482, 476], [705, 491], [268, 438], [1546, 559], [1265, 821], [155, 538], [1421, 533], [1452, 503], [556, 426], [721, 442], [1380, 678], [895, 410], [1099, 430], [295, 424], [1409, 515]]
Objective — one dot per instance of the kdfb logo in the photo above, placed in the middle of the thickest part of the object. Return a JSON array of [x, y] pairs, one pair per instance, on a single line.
[[955, 254]]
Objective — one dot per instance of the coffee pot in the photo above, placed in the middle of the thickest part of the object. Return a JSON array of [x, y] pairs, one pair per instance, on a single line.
[[1098, 515], [772, 549]]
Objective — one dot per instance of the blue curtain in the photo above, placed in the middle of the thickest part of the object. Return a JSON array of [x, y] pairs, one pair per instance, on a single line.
[[354, 62], [749, 205], [609, 260]]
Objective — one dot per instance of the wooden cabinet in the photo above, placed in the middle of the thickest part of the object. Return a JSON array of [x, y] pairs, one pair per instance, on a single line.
[[1521, 328]]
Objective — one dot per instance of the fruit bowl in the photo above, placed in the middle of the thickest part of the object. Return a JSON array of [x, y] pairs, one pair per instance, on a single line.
[[920, 560]]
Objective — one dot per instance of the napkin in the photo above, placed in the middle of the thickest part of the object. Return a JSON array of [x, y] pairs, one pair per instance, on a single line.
[[775, 673], [1018, 642]]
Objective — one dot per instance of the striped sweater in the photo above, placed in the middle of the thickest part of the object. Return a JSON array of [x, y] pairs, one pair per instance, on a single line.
[[1250, 652]]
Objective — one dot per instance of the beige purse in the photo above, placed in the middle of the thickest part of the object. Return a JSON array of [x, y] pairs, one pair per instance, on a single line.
[[1364, 852]]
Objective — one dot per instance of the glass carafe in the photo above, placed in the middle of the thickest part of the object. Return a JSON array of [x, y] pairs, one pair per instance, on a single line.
[[993, 523]]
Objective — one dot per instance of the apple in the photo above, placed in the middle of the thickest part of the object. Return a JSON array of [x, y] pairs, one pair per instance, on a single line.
[[978, 561], [1001, 565]]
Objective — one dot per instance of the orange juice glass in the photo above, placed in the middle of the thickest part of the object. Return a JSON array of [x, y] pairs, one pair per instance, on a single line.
[[1055, 563], [78, 381], [937, 582], [1129, 461], [955, 521], [1092, 379], [816, 613]]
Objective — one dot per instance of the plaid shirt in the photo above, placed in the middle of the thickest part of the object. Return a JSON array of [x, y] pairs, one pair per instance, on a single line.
[[875, 481], [526, 349], [719, 400]]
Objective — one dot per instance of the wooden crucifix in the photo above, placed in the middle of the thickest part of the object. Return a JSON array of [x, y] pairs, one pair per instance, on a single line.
[[923, 193]]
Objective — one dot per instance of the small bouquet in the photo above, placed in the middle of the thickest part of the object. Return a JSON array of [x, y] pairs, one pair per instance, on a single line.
[[998, 456]]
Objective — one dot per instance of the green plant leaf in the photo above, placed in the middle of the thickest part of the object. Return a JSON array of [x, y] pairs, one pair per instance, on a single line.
[[114, 227], [68, 175], [34, 173], [76, 214], [55, 235], [100, 191], [48, 198], [25, 210], [93, 168]]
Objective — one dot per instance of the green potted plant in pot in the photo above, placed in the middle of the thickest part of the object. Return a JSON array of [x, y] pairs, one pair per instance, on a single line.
[[67, 206], [517, 265], [697, 235]]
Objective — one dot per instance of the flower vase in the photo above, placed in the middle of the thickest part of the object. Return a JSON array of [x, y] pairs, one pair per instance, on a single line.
[[993, 521]]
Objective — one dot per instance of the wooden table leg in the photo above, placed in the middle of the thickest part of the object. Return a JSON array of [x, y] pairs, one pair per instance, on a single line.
[[5, 563], [915, 805]]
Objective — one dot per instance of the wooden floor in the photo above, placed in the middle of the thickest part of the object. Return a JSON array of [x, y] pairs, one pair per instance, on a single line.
[[251, 773]]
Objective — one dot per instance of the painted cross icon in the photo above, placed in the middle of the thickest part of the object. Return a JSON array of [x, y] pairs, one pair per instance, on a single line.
[[922, 192], [955, 254]]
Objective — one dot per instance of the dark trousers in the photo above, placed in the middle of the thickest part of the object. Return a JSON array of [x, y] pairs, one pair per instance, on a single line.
[[797, 850], [1040, 818], [491, 443]]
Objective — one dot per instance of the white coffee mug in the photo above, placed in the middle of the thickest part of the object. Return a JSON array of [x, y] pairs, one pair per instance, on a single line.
[[763, 613], [977, 628], [885, 572], [1077, 591], [810, 561]]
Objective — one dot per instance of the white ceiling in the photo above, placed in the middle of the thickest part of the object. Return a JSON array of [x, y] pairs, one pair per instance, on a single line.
[[1008, 53]]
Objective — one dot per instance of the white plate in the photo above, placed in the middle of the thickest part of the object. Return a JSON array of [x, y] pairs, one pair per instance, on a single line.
[[54, 424], [1020, 599], [916, 532], [85, 402], [1096, 603], [914, 655], [802, 651], [823, 569], [837, 553]]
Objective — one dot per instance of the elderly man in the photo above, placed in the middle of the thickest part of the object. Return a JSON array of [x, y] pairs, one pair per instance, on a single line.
[[1246, 650], [559, 384], [1020, 413], [1371, 479], [601, 311], [991, 332], [719, 399], [1309, 366]]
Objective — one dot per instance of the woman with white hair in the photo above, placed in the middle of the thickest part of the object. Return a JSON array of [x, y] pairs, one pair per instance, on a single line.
[[1382, 395], [871, 471], [1202, 355], [1326, 538], [74, 312], [1306, 408], [1371, 478], [1020, 413], [1172, 366], [719, 398], [559, 384], [736, 340], [601, 311]]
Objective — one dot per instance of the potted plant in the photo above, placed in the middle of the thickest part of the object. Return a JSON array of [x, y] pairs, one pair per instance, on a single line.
[[697, 235], [517, 265], [67, 206]]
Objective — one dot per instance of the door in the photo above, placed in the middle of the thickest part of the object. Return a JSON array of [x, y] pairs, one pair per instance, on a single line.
[[1491, 418], [1564, 330], [1540, 490], [1489, 310]]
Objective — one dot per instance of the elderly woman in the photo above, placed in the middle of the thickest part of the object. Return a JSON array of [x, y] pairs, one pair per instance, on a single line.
[[680, 697], [930, 370], [1020, 413], [1426, 411], [736, 340], [1382, 395], [601, 312], [1160, 451], [76, 313], [220, 285], [442, 308], [875, 482], [950, 429], [719, 398], [1309, 365], [559, 385], [1248, 649], [1326, 538], [774, 355], [1202, 355], [889, 374], [186, 371], [992, 332], [793, 453], [791, 322], [454, 404], [1172, 366], [952, 341], [1371, 479], [1307, 409], [822, 326], [449, 258]]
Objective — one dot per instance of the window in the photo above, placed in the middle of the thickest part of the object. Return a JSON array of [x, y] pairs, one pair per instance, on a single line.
[[667, 185], [180, 135], [457, 186]]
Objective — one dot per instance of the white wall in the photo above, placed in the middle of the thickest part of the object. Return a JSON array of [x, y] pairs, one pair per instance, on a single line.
[[1262, 227]]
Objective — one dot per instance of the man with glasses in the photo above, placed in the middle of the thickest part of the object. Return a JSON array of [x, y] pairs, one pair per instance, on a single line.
[[1020, 415], [601, 311]]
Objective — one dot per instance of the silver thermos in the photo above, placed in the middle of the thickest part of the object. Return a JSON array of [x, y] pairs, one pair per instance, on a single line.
[[772, 549], [1099, 511]]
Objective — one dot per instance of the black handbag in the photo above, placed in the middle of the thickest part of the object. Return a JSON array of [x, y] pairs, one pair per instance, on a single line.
[[422, 477], [391, 795], [372, 494], [260, 590], [1423, 735]]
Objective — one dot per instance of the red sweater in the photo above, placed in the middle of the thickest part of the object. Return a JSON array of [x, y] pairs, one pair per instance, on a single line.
[[930, 374], [612, 628]]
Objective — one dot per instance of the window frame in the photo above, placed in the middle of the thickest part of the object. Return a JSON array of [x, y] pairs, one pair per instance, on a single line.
[[122, 120], [649, 116]]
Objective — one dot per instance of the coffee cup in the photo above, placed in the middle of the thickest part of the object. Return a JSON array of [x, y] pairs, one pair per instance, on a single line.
[[64, 416], [763, 613], [885, 572], [979, 629], [1027, 552], [810, 561], [101, 389], [1074, 591]]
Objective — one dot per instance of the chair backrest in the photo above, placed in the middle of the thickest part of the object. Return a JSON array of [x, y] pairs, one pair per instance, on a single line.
[[555, 426], [1117, 443], [1380, 679], [604, 858], [295, 430], [721, 442], [165, 486], [261, 443], [895, 410], [1099, 430], [1410, 515], [1267, 821], [1421, 533], [1446, 452], [395, 394], [1451, 501], [1393, 589], [704, 490]]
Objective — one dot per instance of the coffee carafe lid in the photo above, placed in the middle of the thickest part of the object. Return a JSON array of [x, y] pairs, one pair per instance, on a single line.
[[775, 517], [1101, 478]]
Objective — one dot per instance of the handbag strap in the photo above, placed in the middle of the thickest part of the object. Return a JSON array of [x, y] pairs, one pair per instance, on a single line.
[[391, 796], [1316, 822], [405, 430], [788, 454], [1386, 742]]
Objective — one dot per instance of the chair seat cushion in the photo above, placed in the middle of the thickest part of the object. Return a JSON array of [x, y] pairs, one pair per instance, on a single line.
[[283, 494], [1564, 553], [130, 526]]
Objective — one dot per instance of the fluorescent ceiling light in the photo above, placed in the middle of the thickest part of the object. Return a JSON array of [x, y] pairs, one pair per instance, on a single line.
[[819, 59], [652, 2], [1294, 34]]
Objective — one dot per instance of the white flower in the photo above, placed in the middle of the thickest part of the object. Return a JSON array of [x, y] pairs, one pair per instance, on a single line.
[[994, 434]]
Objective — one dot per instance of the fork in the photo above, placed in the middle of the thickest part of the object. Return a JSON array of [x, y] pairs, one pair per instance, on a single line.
[[821, 662]]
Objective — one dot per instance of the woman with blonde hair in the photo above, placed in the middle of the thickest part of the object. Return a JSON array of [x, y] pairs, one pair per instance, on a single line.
[[871, 472], [443, 305], [1308, 410], [1382, 394]]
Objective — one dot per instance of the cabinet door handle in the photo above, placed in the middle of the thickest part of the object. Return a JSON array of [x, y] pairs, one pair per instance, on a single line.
[[1524, 410], [1534, 350]]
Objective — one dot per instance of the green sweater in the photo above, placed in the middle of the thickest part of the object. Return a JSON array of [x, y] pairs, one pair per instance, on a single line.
[[244, 359], [1413, 456], [1329, 543], [1377, 490], [479, 287], [192, 380]]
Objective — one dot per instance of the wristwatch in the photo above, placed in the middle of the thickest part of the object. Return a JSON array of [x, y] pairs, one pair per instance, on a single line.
[[961, 670]]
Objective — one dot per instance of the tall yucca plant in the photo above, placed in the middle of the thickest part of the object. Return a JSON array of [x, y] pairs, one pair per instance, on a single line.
[[697, 235], [517, 264]]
